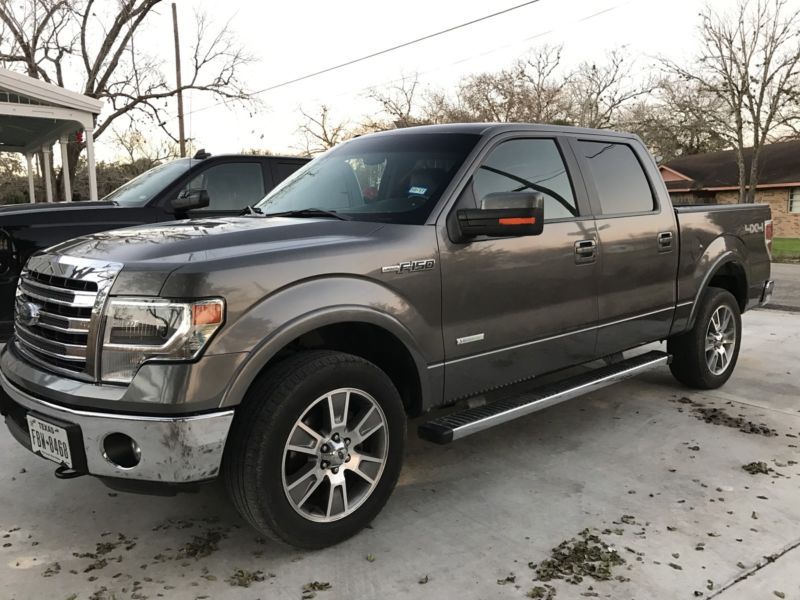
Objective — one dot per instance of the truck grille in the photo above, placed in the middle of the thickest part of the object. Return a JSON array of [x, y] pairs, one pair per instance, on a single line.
[[57, 307], [60, 334]]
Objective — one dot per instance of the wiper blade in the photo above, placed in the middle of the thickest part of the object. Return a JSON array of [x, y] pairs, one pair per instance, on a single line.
[[309, 212], [251, 210]]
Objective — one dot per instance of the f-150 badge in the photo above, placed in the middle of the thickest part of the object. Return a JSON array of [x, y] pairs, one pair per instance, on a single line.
[[410, 266]]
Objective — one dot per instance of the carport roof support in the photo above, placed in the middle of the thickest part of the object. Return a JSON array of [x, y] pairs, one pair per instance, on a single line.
[[35, 114]]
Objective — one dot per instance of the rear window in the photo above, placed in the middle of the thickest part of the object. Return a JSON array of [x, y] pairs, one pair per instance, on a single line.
[[622, 186]]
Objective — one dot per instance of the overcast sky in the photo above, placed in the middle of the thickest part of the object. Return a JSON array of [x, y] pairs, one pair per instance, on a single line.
[[290, 39]]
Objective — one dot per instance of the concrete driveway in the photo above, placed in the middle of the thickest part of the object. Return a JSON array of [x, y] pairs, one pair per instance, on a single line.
[[636, 464]]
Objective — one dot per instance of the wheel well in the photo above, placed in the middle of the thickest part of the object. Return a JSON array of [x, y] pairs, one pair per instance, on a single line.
[[731, 277], [372, 343]]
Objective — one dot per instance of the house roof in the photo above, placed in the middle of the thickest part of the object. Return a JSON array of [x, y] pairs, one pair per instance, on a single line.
[[779, 166]]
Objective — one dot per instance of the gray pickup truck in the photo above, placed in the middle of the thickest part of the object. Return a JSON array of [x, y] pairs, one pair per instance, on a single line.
[[399, 272]]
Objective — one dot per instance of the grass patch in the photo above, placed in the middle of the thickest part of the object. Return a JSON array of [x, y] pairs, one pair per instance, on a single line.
[[786, 249]]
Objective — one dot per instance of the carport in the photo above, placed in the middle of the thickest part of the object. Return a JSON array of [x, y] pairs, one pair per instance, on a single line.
[[34, 115]]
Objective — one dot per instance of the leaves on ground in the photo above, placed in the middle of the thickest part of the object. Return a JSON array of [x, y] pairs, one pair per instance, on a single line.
[[310, 589], [244, 578], [757, 468], [574, 559]]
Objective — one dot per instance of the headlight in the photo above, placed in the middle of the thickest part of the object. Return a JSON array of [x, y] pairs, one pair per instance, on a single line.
[[141, 329]]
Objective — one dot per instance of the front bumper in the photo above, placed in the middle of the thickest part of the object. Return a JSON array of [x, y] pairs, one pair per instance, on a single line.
[[180, 449]]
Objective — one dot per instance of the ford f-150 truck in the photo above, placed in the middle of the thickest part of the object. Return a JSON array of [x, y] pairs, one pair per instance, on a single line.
[[399, 272], [201, 186]]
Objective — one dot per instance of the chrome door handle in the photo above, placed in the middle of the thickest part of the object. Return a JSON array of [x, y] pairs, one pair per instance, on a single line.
[[585, 252], [665, 241]]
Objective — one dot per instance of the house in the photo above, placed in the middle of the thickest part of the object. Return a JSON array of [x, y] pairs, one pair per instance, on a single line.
[[713, 178]]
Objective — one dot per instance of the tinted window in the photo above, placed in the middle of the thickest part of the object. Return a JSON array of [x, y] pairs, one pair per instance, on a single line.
[[282, 169], [231, 186], [619, 178], [395, 178], [528, 165], [142, 189]]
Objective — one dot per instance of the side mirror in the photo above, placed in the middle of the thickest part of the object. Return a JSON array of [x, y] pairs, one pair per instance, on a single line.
[[504, 214], [190, 200]]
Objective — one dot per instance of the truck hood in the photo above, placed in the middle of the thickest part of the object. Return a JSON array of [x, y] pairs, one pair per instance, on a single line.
[[191, 241], [17, 209], [8, 213]]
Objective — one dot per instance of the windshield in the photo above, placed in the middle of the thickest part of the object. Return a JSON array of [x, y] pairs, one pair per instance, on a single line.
[[388, 178], [140, 190]]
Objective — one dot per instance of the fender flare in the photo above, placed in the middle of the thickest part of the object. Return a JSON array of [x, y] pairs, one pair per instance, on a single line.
[[727, 257], [304, 323]]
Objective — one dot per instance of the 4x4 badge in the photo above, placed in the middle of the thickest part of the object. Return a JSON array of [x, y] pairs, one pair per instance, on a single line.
[[410, 266]]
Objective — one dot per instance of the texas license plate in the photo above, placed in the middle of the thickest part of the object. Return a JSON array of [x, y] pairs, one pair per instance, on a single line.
[[50, 441]]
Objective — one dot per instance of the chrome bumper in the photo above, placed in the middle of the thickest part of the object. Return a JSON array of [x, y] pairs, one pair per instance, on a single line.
[[172, 449], [766, 295]]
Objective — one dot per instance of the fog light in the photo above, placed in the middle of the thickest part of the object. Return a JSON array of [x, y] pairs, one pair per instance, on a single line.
[[121, 450]]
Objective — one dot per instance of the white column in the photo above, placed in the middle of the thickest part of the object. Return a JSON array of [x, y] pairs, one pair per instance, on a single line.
[[47, 153], [31, 188], [91, 164], [65, 170]]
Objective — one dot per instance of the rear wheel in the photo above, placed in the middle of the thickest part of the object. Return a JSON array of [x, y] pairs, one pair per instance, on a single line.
[[705, 356], [316, 448]]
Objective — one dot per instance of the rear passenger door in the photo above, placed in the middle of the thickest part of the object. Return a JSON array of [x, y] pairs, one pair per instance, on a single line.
[[638, 243], [517, 307]]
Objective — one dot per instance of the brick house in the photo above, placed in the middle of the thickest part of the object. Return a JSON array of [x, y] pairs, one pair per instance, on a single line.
[[713, 178]]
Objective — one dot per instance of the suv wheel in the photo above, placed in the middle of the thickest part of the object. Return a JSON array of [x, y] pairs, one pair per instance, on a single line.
[[316, 448], [705, 356]]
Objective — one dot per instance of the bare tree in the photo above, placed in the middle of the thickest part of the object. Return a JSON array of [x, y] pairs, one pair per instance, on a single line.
[[750, 62], [48, 38], [677, 120], [139, 149], [600, 92], [321, 132], [399, 106]]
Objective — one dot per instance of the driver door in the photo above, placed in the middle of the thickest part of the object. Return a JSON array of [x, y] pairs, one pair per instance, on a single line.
[[516, 307]]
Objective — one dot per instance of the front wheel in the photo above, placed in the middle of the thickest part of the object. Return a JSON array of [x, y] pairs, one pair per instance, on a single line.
[[316, 448], [705, 356]]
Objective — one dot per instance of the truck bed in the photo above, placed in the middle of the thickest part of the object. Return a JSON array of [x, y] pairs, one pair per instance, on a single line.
[[712, 233]]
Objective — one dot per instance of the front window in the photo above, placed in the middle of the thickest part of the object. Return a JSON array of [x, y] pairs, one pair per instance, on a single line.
[[140, 190], [387, 178], [794, 200]]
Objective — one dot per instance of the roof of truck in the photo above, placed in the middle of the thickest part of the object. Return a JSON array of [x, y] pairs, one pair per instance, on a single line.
[[494, 128]]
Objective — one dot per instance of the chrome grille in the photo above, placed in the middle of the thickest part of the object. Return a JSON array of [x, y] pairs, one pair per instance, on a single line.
[[59, 304]]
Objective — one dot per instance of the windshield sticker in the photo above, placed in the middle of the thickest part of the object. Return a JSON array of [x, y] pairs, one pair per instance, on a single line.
[[418, 190]]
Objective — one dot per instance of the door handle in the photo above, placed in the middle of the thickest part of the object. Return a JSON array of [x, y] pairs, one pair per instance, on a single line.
[[585, 252], [665, 241]]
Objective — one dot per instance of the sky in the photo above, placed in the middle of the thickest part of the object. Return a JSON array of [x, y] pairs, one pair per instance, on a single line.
[[289, 40]]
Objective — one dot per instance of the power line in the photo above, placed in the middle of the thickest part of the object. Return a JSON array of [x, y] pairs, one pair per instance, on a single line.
[[382, 52], [397, 47]]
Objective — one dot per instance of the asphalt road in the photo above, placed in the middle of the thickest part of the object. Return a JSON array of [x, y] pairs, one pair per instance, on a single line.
[[634, 463]]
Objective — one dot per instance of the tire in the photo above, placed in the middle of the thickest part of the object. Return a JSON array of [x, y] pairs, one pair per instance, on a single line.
[[269, 483], [692, 364]]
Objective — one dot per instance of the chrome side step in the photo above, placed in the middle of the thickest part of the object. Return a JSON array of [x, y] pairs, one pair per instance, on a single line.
[[454, 426]]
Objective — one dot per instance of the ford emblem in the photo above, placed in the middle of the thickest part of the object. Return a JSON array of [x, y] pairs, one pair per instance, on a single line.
[[28, 313]]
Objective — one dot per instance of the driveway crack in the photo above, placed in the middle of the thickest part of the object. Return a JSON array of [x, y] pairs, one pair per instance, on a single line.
[[766, 560]]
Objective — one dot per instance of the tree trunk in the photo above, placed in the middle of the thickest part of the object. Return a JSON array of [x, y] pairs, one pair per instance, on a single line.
[[742, 176], [751, 190]]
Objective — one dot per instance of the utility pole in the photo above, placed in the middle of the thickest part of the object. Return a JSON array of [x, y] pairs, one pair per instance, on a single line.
[[181, 136]]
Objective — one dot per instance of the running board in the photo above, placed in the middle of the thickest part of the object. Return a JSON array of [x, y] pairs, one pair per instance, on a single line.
[[457, 425]]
